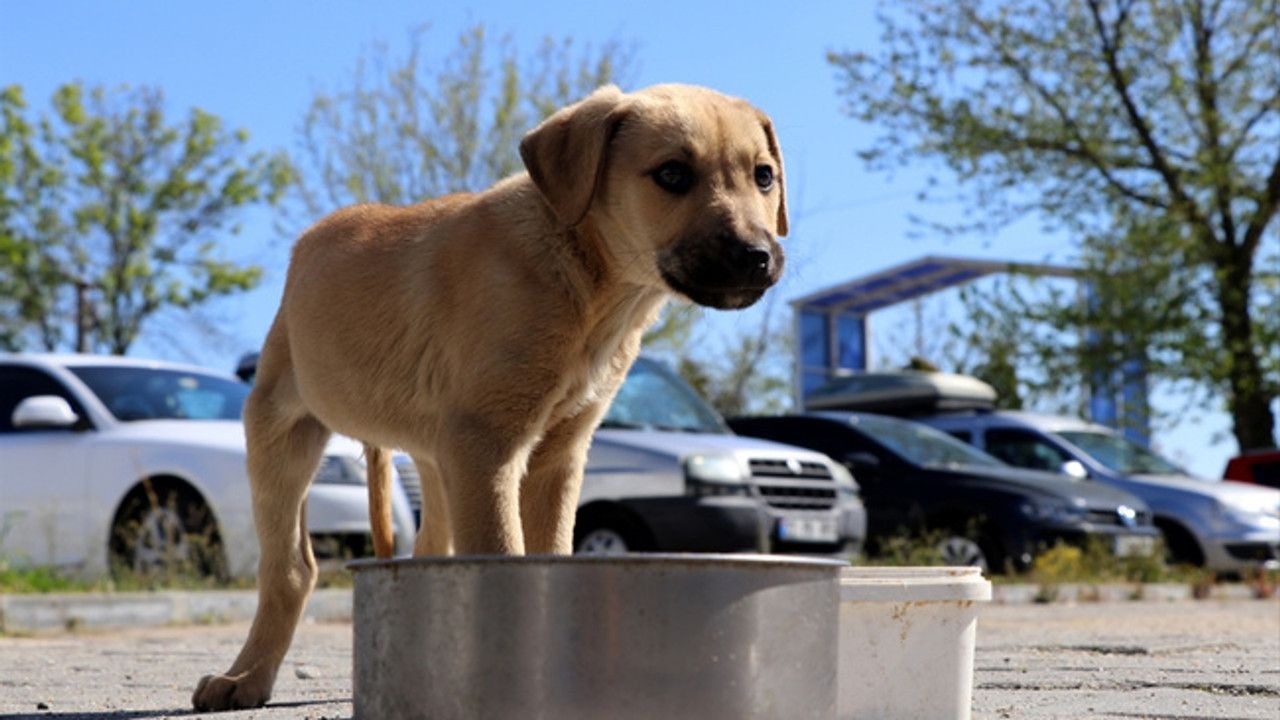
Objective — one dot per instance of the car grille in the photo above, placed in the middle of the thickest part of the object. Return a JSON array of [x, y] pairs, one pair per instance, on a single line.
[[792, 485], [1100, 516], [410, 481]]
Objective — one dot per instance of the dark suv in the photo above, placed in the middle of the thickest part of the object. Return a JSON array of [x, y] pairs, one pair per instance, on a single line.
[[917, 479]]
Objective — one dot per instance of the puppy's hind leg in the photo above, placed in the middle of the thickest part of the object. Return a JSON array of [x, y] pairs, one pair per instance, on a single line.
[[379, 483], [285, 445], [435, 537]]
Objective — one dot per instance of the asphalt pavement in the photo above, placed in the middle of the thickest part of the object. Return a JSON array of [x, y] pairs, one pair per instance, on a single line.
[[1170, 660]]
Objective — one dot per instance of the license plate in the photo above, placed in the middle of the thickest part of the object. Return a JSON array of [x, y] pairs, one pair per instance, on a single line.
[[1127, 545], [801, 529]]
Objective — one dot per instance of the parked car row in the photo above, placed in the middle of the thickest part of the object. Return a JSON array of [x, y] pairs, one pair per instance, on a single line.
[[117, 462], [109, 462], [915, 479]]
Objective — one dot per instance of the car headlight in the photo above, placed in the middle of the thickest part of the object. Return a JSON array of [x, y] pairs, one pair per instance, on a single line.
[[1261, 518], [709, 475], [845, 483], [1056, 511], [338, 470]]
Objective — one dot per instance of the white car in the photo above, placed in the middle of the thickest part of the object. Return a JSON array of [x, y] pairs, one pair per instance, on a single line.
[[115, 461]]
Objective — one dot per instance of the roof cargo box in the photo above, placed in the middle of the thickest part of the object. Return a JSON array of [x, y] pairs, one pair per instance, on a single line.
[[903, 393]]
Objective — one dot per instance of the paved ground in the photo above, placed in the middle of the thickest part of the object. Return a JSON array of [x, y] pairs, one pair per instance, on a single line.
[[1173, 661]]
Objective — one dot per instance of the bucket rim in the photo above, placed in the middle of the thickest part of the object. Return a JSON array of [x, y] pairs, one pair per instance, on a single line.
[[736, 560], [913, 584]]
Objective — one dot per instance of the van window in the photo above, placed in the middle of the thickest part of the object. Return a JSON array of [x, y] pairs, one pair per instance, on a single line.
[[1025, 449]]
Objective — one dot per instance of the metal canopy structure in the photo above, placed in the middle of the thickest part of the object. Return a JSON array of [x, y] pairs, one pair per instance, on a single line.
[[914, 279], [832, 336], [831, 324]]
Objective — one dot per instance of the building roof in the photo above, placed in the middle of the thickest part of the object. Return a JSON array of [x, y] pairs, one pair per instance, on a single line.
[[914, 279]]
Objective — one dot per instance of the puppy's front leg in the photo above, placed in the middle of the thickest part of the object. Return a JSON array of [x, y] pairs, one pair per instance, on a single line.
[[549, 495], [481, 466]]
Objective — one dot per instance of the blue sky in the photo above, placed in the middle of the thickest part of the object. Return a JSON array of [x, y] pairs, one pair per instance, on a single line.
[[257, 64]]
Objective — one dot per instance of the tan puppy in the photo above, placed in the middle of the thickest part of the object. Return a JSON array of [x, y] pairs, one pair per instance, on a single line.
[[486, 333]]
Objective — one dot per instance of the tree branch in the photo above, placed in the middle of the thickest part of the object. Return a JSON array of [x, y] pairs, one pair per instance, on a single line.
[[1082, 150], [1207, 93], [1109, 45], [1268, 204]]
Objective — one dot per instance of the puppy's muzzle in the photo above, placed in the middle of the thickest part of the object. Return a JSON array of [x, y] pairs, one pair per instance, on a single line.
[[726, 271], [751, 265]]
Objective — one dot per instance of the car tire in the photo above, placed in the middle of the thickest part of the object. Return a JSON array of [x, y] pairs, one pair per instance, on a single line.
[[1180, 546], [165, 528], [608, 533], [961, 551]]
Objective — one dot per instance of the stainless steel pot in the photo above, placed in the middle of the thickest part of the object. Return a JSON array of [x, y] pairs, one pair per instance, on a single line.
[[651, 637]]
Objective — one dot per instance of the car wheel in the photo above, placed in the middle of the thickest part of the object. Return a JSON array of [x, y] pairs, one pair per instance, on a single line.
[[1180, 546], [165, 529], [608, 533], [960, 551], [602, 541]]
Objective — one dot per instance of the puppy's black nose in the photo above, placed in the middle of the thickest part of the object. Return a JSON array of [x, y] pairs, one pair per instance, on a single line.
[[749, 263]]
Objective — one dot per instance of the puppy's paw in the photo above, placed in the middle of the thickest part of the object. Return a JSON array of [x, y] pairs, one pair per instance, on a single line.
[[230, 692]]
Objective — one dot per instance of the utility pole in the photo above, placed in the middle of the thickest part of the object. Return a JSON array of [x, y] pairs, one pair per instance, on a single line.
[[82, 316]]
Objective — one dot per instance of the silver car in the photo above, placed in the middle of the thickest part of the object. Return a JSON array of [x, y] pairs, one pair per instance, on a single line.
[[665, 473]]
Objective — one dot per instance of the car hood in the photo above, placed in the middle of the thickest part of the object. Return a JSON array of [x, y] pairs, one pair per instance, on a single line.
[[1082, 493], [221, 435], [681, 444], [1228, 492]]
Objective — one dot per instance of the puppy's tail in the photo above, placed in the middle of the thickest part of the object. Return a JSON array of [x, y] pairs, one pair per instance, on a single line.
[[379, 463]]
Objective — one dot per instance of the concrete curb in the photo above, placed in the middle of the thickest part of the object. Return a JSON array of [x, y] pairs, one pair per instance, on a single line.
[[62, 612], [1024, 593]]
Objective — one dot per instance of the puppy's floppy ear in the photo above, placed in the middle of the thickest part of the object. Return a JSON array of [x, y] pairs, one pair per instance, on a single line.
[[565, 154], [776, 151]]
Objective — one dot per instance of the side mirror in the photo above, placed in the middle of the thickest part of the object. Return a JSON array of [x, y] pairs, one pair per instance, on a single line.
[[1075, 469], [49, 412], [863, 462]]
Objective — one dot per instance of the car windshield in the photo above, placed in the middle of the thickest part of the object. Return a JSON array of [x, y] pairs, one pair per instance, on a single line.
[[1120, 454], [139, 393], [921, 444], [652, 397]]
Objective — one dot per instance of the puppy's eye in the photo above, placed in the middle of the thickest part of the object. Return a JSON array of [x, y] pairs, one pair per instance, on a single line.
[[675, 177], [764, 177]]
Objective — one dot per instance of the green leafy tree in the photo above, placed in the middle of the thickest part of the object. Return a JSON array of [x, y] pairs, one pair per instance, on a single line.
[[419, 126], [109, 214], [1105, 117], [1133, 301]]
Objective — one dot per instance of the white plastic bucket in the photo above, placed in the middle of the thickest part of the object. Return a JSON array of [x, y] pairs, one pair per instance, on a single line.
[[906, 641]]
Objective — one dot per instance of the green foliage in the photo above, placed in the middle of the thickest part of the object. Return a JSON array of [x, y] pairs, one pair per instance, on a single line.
[[1149, 128], [109, 214], [419, 126], [908, 549], [1094, 562]]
